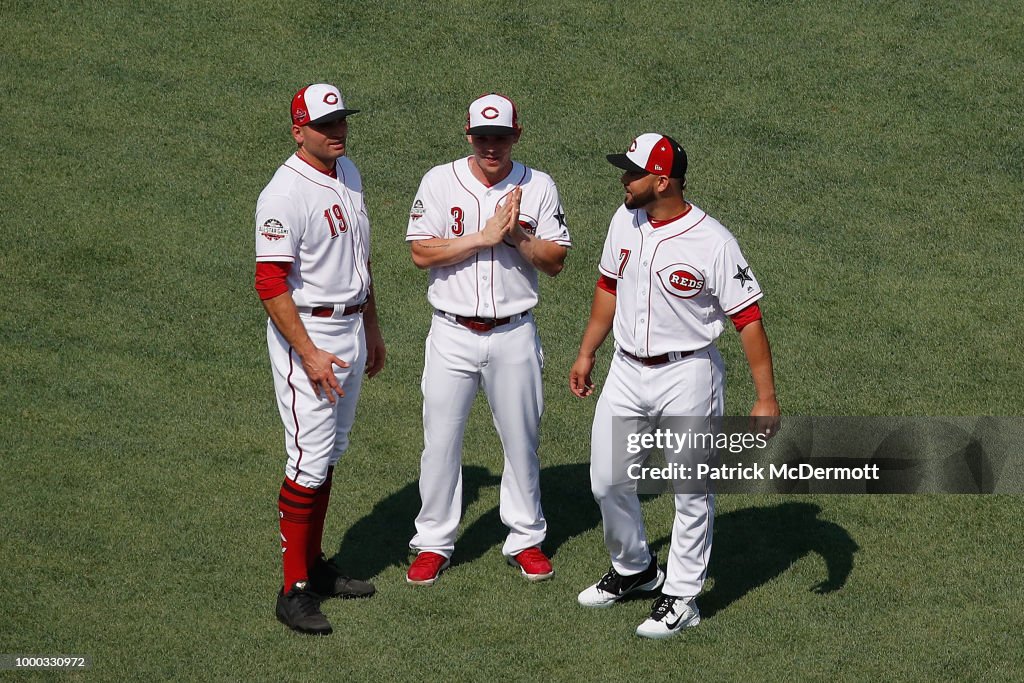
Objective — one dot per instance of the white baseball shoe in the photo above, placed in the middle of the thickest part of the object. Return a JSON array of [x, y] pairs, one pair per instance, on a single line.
[[669, 616], [613, 586]]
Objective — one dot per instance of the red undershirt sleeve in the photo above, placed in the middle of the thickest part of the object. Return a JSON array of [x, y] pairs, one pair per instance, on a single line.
[[746, 316], [608, 284], [271, 278]]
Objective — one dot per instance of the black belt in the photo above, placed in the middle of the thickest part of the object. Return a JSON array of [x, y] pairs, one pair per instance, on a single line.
[[328, 311], [658, 360], [483, 324]]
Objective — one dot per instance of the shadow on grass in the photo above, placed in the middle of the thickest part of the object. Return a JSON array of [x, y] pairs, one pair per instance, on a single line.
[[380, 540], [754, 545], [568, 506]]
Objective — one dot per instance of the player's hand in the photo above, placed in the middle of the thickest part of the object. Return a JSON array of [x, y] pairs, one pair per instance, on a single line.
[[375, 351], [514, 202], [765, 417], [319, 367], [580, 383], [505, 219]]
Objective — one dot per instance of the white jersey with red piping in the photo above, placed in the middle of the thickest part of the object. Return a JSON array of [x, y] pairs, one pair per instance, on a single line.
[[496, 282], [319, 224], [676, 283]]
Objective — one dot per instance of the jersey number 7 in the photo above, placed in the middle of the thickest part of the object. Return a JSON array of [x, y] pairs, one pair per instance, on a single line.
[[623, 260]]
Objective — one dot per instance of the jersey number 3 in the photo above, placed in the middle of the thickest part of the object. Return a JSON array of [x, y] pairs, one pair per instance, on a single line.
[[457, 227], [335, 220]]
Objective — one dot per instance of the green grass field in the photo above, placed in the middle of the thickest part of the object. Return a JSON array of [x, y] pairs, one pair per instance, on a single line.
[[868, 155]]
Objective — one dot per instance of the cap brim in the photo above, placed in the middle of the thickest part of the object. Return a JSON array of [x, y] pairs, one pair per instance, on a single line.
[[491, 130], [625, 163], [334, 116]]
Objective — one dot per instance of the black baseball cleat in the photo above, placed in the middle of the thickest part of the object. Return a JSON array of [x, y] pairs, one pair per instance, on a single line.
[[299, 610], [327, 581], [613, 586]]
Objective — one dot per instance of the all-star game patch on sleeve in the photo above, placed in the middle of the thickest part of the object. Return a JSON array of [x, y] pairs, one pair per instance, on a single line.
[[426, 217], [276, 227], [735, 284]]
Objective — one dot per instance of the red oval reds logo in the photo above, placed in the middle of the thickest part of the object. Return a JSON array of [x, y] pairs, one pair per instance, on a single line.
[[489, 113], [682, 280], [330, 98]]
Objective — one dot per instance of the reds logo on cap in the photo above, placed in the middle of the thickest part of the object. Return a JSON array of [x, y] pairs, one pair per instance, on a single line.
[[318, 103], [492, 114], [682, 280], [653, 153]]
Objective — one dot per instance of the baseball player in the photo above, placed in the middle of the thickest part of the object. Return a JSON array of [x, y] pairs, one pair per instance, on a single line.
[[484, 225], [671, 278], [313, 276]]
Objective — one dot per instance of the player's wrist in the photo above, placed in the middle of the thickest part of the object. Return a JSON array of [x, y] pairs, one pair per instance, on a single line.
[[305, 348], [479, 240]]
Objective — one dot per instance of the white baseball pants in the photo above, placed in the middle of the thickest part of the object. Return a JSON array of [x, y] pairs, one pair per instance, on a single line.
[[506, 362], [316, 432], [693, 386]]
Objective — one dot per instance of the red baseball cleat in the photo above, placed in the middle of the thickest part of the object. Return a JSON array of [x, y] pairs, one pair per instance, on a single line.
[[426, 568], [534, 564]]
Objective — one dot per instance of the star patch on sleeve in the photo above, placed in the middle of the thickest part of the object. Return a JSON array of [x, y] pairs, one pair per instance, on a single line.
[[560, 217], [743, 275]]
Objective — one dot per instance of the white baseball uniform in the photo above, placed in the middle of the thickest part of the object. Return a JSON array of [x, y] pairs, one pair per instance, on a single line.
[[319, 224], [496, 283], [676, 286]]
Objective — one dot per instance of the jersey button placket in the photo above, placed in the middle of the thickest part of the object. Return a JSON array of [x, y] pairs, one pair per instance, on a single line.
[[483, 286], [484, 271], [641, 306]]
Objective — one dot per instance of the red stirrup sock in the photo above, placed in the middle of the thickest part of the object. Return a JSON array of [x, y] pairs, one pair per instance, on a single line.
[[316, 522], [295, 505]]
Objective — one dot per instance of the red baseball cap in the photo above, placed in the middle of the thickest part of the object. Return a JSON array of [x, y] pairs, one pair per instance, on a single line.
[[492, 114], [318, 103], [653, 153]]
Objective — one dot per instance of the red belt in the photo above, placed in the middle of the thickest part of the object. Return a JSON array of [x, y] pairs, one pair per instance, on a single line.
[[483, 324], [658, 360], [328, 311]]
